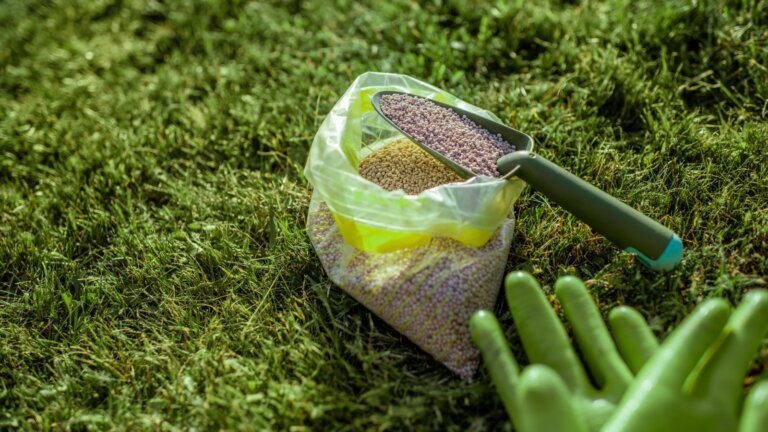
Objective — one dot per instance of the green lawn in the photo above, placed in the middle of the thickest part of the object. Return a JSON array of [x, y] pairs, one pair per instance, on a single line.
[[155, 271]]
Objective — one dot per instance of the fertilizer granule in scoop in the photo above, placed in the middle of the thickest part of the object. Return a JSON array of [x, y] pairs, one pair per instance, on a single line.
[[456, 137]]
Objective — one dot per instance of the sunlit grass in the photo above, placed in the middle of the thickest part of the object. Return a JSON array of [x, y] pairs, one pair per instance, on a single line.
[[154, 266]]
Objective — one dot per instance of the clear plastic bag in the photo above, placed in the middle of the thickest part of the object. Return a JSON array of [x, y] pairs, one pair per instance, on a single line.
[[374, 220], [423, 263]]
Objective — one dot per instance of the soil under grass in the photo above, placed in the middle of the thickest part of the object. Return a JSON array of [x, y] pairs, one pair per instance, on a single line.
[[154, 266]]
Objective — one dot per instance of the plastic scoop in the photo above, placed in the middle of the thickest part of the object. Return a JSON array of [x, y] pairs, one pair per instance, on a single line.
[[655, 245]]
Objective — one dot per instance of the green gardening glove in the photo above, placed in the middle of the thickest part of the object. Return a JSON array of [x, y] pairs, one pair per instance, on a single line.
[[694, 382], [755, 412], [557, 384]]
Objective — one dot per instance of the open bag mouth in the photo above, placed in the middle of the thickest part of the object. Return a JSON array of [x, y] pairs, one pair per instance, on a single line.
[[374, 219]]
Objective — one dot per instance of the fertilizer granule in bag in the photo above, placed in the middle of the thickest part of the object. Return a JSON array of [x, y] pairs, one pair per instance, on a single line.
[[427, 293]]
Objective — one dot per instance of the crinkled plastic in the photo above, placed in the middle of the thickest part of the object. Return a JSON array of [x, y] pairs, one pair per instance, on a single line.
[[375, 220]]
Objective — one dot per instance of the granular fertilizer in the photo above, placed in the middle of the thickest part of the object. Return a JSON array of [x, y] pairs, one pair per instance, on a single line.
[[454, 136], [427, 293], [401, 164]]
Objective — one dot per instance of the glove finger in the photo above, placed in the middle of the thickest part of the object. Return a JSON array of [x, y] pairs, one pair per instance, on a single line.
[[724, 371], [487, 335], [684, 348], [545, 402], [754, 416], [633, 337], [600, 353], [543, 336]]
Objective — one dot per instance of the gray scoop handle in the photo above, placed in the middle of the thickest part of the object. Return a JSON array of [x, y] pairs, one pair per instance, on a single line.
[[655, 245]]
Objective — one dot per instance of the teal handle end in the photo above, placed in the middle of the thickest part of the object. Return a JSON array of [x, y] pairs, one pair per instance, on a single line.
[[668, 259]]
